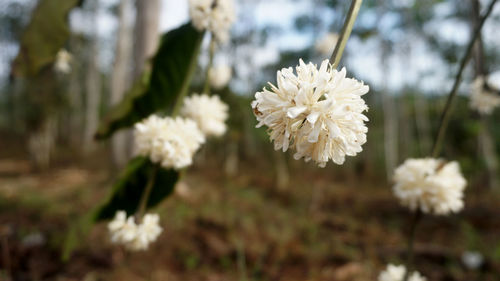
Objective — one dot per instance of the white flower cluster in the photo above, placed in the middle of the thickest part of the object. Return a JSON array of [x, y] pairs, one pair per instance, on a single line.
[[171, 142], [220, 76], [217, 16], [134, 236], [483, 100], [397, 273], [209, 113], [317, 112], [430, 185], [63, 61], [326, 44]]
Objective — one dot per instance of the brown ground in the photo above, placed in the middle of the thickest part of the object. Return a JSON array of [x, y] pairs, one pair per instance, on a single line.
[[243, 228]]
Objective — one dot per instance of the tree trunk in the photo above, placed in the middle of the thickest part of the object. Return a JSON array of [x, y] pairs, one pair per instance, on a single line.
[[41, 118], [93, 86], [146, 32], [390, 119], [485, 139], [423, 124], [41, 143], [489, 154], [146, 38], [75, 98], [120, 78]]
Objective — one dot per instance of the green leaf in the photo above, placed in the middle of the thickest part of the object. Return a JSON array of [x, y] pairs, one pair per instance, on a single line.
[[126, 195], [157, 89], [44, 36], [128, 190]]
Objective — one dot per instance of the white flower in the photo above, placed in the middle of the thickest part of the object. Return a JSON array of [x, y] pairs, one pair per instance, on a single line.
[[63, 60], [217, 16], [472, 260], [318, 112], [134, 237], [209, 112], [220, 76], [397, 273], [483, 100], [326, 44], [431, 185], [416, 276], [122, 230], [147, 232], [171, 142]]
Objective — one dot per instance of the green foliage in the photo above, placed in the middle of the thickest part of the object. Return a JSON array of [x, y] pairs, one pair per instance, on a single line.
[[126, 195], [44, 36], [129, 188], [172, 68]]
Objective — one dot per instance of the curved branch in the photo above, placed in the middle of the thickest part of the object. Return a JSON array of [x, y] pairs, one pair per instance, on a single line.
[[445, 117]]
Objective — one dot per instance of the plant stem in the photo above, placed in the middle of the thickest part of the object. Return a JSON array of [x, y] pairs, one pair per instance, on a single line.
[[211, 53], [147, 192], [345, 33], [445, 117], [411, 242], [187, 81]]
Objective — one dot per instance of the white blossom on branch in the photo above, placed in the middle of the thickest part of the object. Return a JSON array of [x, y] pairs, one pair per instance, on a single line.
[[430, 185], [171, 142], [316, 112], [216, 16]]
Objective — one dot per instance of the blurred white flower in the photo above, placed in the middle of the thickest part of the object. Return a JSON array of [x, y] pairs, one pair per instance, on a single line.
[[122, 230], [317, 112], [147, 232], [326, 44], [217, 16], [209, 113], [220, 76], [171, 142], [63, 61], [397, 273], [431, 185], [416, 276], [483, 100], [472, 260], [134, 237]]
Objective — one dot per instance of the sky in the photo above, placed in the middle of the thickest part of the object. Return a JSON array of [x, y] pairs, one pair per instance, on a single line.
[[410, 63]]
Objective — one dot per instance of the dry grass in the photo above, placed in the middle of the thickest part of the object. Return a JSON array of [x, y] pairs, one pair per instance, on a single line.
[[243, 228]]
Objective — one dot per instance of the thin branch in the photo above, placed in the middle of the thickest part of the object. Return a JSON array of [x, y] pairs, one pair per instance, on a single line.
[[211, 53], [445, 117], [411, 243], [345, 33], [147, 192]]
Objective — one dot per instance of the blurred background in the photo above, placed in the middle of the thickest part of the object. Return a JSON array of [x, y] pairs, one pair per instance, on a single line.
[[246, 212]]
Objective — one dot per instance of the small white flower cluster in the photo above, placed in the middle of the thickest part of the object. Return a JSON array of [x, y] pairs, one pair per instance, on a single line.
[[217, 16], [327, 43], [171, 142], [430, 185], [397, 273], [317, 112], [134, 236], [209, 113], [63, 61], [220, 76], [483, 100]]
